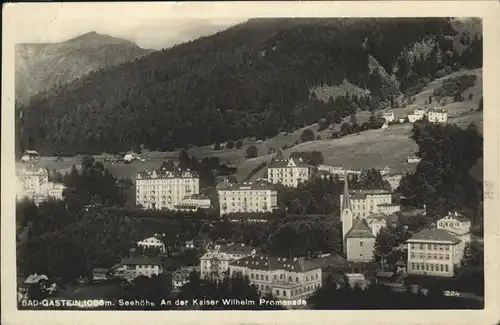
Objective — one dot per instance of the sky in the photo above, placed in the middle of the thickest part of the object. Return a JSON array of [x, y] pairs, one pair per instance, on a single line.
[[156, 28]]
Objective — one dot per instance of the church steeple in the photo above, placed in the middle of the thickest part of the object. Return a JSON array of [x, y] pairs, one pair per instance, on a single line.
[[346, 202]]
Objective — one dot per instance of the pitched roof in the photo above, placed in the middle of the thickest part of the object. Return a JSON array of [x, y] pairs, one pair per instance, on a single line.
[[282, 163], [360, 229], [346, 202], [162, 173], [457, 216], [267, 263], [236, 249], [31, 152], [434, 235], [244, 186]]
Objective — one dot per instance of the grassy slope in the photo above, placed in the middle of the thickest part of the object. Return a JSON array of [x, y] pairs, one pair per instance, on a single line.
[[372, 148]]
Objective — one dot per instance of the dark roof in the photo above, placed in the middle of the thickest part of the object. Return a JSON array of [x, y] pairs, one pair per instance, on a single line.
[[392, 218], [434, 234], [168, 174], [282, 163], [236, 249], [360, 229], [141, 260], [346, 202], [438, 110], [457, 216], [263, 262]]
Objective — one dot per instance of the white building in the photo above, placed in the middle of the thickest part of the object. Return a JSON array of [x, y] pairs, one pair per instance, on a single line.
[[389, 116], [434, 252], [181, 276], [34, 184], [376, 222], [152, 242], [413, 159], [214, 264], [247, 197], [289, 172], [164, 189], [133, 267], [287, 279], [338, 171], [437, 115], [416, 115], [366, 202], [30, 156], [193, 203], [458, 225]]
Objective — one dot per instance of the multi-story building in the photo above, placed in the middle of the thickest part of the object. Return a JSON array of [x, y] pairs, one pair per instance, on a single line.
[[152, 242], [434, 252], [247, 197], [34, 184], [214, 264], [437, 115], [133, 267], [360, 242], [376, 222], [164, 189], [338, 171], [193, 203], [389, 116], [181, 276], [416, 115], [366, 202], [289, 172], [285, 278], [459, 226]]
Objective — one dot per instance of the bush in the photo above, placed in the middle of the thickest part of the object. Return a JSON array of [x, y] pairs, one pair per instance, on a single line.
[[307, 135], [252, 152], [239, 144], [230, 145]]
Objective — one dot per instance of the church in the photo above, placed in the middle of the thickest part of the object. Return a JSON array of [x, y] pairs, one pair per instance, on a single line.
[[358, 231]]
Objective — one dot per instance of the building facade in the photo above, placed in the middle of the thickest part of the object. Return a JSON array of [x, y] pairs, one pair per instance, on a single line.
[[214, 264], [164, 189], [416, 115], [434, 252], [437, 115], [289, 172], [360, 242], [338, 171], [389, 116], [34, 184], [285, 278], [152, 242], [194, 202], [247, 197], [133, 267], [366, 202]]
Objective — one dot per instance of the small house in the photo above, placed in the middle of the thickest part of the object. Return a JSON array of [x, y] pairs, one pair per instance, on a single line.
[[100, 274], [30, 155]]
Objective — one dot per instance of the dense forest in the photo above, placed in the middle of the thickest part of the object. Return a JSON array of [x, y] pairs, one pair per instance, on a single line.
[[255, 78]]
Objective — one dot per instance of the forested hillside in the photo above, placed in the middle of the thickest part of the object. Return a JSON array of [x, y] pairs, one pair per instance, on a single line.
[[43, 67], [254, 79]]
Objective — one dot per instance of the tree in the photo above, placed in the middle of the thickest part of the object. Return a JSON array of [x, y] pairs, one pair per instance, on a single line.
[[239, 144], [184, 160], [230, 145], [217, 146], [307, 135], [252, 152], [168, 165], [345, 129]]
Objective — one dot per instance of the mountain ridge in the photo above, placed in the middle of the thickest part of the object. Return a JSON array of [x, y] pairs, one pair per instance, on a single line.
[[40, 67]]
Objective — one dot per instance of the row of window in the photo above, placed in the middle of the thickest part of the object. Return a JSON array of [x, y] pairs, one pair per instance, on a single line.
[[295, 292], [430, 267], [429, 256], [449, 224], [434, 247]]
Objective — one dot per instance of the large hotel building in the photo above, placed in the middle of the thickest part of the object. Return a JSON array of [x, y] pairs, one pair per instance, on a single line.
[[34, 184], [164, 189], [247, 197]]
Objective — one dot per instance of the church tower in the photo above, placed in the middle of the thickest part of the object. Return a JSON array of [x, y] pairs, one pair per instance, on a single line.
[[346, 215]]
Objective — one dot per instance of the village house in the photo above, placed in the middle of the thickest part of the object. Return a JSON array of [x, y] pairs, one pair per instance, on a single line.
[[366, 202], [285, 278], [133, 267], [247, 197], [413, 159], [437, 115], [389, 116], [152, 242], [181, 276], [194, 202], [416, 115], [164, 189], [34, 184], [214, 264], [289, 172]]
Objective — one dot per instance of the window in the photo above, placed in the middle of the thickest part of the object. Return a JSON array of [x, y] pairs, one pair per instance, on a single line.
[[267, 278], [284, 293], [360, 243], [429, 246], [441, 267], [418, 266], [296, 279], [427, 267], [432, 267], [413, 266], [446, 268], [289, 279], [274, 277], [251, 275]]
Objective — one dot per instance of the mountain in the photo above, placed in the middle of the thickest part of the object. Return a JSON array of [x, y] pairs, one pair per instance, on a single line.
[[42, 67], [254, 79]]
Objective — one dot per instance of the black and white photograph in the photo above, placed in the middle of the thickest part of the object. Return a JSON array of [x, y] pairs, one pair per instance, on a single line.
[[277, 163]]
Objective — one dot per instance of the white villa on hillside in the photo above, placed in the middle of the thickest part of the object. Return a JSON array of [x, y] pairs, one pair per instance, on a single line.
[[437, 115], [152, 242], [214, 264], [389, 116], [416, 115], [289, 172], [247, 197]]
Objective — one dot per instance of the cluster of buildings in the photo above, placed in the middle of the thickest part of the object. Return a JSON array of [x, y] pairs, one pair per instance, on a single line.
[[34, 184], [434, 115]]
